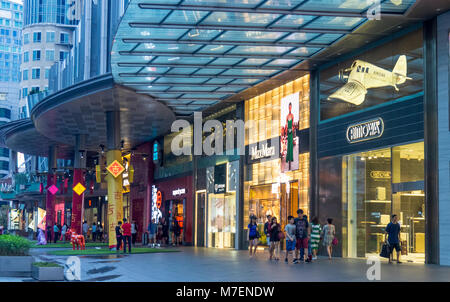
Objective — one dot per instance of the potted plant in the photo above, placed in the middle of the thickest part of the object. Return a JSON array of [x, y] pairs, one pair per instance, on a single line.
[[47, 271], [14, 258]]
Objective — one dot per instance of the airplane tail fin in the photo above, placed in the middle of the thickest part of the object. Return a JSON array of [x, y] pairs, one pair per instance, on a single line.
[[400, 70]]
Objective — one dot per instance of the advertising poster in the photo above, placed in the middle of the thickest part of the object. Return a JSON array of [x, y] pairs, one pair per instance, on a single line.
[[41, 219], [289, 140]]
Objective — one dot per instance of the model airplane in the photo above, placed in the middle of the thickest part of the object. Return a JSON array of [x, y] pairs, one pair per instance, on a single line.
[[363, 75]]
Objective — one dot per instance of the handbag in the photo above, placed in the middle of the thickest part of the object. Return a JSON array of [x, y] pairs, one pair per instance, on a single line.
[[280, 235], [335, 241], [384, 250]]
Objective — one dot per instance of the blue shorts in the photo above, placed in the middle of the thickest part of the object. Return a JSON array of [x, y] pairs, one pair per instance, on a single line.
[[290, 245]]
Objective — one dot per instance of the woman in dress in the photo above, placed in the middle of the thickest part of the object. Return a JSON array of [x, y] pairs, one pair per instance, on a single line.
[[315, 236], [329, 231], [253, 236], [274, 239], [290, 137]]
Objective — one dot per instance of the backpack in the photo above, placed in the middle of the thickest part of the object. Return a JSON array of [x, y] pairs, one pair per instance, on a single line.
[[301, 229]]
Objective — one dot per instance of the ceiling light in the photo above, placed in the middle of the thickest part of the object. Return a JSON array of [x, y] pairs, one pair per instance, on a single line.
[[217, 48], [148, 58], [145, 33], [174, 58], [149, 45]]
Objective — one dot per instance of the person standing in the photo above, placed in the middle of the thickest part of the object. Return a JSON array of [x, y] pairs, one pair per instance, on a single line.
[[301, 236], [49, 234], [55, 232], [126, 227], [100, 232], [290, 238], [63, 233], [133, 232], [165, 231], [119, 235], [85, 229], [393, 238], [267, 229], [252, 236], [316, 229], [329, 231], [94, 232], [152, 229], [275, 229]]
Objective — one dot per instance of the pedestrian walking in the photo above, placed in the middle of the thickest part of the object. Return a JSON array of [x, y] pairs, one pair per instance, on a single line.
[[267, 229], [290, 239], [119, 235], [329, 233], [252, 236], [393, 238], [316, 230], [85, 229], [133, 232], [126, 227], [275, 229], [301, 237], [56, 233], [152, 230], [63, 232]]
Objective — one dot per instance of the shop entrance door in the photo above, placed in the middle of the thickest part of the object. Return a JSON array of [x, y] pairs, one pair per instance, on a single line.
[[174, 210], [222, 220], [137, 214], [201, 198], [410, 209]]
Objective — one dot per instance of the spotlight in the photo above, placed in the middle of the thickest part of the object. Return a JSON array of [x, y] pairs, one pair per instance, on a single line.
[[103, 149], [81, 153]]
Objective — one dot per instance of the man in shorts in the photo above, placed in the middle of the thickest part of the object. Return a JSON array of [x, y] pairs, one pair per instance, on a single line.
[[290, 238], [301, 236], [152, 228], [393, 234]]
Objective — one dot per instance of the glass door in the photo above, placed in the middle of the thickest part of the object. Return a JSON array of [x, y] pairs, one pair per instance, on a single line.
[[222, 220]]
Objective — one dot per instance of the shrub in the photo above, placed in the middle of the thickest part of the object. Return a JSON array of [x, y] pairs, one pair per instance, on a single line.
[[46, 264], [14, 245]]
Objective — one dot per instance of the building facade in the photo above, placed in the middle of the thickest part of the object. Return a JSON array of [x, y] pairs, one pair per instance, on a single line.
[[11, 22]]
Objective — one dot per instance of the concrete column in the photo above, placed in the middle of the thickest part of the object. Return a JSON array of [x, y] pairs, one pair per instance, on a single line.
[[79, 164], [51, 180], [115, 195]]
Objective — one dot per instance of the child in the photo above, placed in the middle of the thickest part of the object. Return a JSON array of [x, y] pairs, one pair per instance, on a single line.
[[290, 238]]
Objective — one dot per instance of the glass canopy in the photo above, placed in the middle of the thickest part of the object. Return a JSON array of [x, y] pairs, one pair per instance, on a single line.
[[191, 54]]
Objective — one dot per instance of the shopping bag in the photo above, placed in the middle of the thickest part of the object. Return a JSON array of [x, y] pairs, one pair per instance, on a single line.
[[384, 250]]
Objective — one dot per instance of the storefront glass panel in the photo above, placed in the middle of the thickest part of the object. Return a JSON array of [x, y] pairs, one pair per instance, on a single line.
[[375, 185], [221, 220]]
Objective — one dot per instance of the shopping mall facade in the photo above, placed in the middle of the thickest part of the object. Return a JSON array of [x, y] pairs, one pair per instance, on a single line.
[[351, 115]]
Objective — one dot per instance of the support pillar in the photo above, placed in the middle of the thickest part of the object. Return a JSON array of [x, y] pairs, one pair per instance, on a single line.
[[51, 180], [79, 164], [115, 189]]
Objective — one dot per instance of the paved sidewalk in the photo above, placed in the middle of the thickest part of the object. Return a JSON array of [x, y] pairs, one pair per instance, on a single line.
[[203, 264]]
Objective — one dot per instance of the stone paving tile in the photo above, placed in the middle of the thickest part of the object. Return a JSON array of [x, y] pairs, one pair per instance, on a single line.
[[203, 264]]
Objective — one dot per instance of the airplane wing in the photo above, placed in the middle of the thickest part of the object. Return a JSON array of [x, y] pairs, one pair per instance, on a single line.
[[352, 92]]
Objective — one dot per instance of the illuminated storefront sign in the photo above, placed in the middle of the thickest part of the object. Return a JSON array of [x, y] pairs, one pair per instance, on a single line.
[[264, 151], [156, 204], [365, 131], [179, 192]]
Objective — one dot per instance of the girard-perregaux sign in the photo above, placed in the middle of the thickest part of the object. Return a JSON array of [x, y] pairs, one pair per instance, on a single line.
[[365, 130]]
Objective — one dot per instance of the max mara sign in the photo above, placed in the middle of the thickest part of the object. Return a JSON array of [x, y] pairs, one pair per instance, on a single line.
[[365, 130], [264, 152]]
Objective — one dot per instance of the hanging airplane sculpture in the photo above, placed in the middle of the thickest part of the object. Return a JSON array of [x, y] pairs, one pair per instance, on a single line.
[[363, 75]]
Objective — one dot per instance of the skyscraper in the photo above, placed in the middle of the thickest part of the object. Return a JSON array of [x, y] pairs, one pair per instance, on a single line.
[[11, 22]]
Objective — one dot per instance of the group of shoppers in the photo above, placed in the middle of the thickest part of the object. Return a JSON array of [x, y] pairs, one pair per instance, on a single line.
[[59, 233], [94, 232], [159, 232], [302, 238]]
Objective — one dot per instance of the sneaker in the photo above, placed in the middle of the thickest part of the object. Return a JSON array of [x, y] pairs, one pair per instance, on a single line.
[[295, 261], [314, 258]]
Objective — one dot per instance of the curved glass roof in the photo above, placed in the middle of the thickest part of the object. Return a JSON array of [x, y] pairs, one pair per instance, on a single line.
[[192, 54]]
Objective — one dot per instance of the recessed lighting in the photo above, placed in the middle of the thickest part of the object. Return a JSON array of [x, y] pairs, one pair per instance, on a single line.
[[145, 33]]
